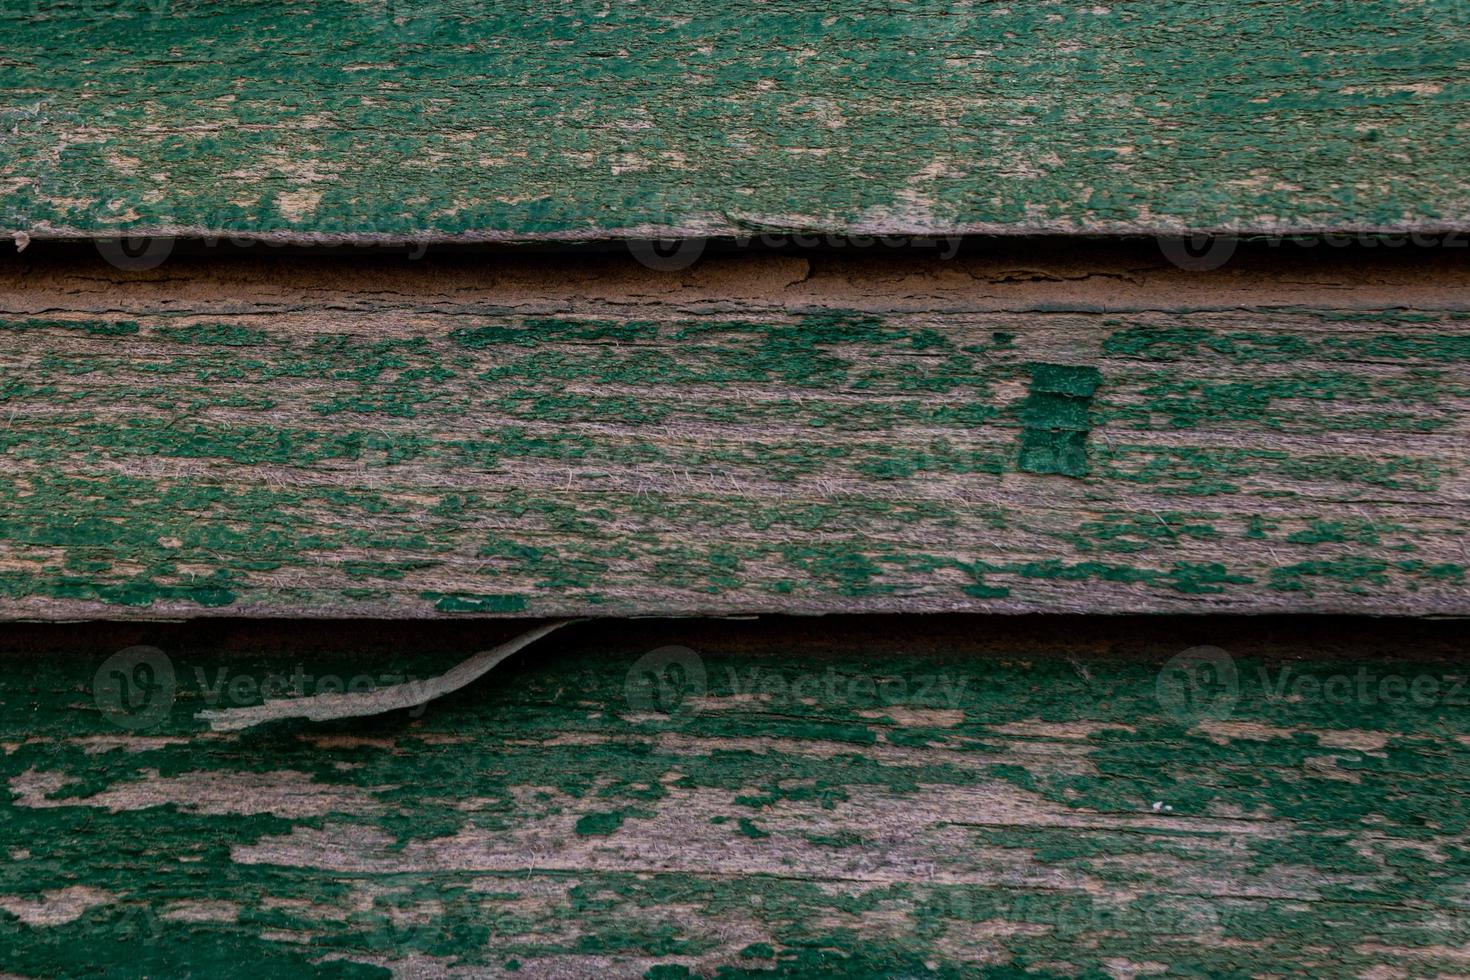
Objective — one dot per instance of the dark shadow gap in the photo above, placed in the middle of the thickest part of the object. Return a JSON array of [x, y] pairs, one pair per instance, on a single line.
[[957, 635], [1205, 256]]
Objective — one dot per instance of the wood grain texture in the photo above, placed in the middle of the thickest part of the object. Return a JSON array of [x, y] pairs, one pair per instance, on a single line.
[[966, 801], [466, 120], [758, 435]]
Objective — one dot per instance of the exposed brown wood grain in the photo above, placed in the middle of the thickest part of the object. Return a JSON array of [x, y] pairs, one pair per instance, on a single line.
[[1095, 431]]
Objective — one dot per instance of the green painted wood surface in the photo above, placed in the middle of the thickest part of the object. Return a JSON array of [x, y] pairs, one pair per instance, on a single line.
[[470, 120], [756, 436], [967, 800]]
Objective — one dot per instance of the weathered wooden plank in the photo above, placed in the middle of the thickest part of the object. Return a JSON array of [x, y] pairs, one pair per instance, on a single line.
[[1036, 799], [459, 119], [756, 435]]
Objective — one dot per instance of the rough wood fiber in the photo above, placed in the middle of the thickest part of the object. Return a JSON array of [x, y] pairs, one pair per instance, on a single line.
[[759, 435], [907, 810], [463, 119]]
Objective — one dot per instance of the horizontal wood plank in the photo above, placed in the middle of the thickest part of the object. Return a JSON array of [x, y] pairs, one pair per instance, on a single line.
[[757, 435], [463, 120], [856, 799]]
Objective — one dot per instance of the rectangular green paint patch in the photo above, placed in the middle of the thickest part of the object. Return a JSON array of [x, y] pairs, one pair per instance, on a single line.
[[1045, 411], [1055, 420], [1064, 379], [1044, 451]]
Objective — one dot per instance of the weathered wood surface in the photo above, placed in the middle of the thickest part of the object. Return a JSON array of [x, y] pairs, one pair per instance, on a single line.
[[969, 800], [770, 434], [460, 119]]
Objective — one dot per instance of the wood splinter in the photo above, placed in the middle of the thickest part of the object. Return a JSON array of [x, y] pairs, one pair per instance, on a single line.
[[410, 694]]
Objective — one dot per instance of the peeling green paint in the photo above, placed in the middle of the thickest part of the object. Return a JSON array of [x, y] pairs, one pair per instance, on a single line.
[[481, 463], [866, 807], [1027, 118]]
